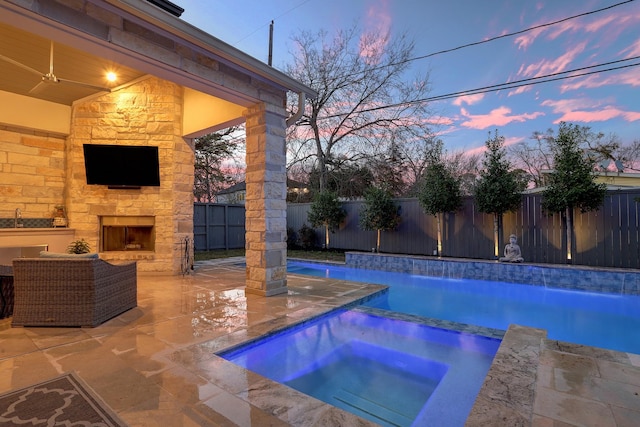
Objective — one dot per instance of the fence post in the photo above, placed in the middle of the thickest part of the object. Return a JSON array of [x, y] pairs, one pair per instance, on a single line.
[[226, 227]]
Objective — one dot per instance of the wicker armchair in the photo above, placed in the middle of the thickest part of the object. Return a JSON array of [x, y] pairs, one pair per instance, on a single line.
[[71, 292]]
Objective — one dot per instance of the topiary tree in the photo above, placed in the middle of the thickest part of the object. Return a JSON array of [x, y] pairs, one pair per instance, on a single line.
[[379, 213], [499, 188], [440, 190], [572, 182], [326, 210]]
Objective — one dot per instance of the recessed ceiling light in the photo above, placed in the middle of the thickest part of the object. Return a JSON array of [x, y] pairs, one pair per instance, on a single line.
[[111, 76]]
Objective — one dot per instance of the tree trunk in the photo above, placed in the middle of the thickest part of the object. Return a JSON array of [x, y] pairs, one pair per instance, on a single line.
[[569, 235], [496, 237], [326, 236], [322, 163], [378, 243], [439, 248]]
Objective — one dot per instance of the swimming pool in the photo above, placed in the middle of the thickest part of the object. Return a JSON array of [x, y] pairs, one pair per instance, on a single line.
[[392, 372], [609, 321]]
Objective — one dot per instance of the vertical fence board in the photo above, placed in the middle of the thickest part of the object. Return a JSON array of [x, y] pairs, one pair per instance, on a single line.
[[218, 226]]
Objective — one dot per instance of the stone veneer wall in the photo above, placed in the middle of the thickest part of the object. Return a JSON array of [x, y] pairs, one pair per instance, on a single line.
[[266, 206], [609, 280], [32, 172], [146, 113]]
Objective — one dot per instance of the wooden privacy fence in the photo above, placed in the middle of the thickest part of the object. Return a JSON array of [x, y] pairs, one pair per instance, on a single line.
[[608, 237], [218, 226]]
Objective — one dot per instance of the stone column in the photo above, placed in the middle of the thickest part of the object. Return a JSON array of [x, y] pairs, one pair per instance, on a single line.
[[265, 203]]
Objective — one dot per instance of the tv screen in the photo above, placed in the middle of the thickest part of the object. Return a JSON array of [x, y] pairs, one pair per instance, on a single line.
[[121, 166]]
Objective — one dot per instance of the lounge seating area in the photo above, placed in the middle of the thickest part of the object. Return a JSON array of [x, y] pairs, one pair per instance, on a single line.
[[65, 291]]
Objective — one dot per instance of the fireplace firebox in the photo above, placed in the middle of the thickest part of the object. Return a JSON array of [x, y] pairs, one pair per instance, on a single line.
[[127, 233]]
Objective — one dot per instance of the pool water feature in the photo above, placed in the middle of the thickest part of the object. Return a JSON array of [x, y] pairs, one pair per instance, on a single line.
[[392, 372], [604, 320]]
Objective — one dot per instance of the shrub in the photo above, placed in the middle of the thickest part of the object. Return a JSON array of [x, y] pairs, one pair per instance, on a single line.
[[79, 247], [292, 238], [306, 237]]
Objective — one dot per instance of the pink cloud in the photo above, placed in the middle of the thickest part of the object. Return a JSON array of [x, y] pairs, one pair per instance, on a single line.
[[378, 27], [440, 121], [562, 105], [468, 99], [513, 140], [525, 40], [598, 116], [481, 149], [630, 77], [519, 90], [586, 111], [622, 19], [378, 17], [633, 50], [498, 117], [476, 151], [546, 66]]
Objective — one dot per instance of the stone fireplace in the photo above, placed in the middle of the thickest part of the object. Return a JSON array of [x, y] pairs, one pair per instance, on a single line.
[[127, 233], [145, 224]]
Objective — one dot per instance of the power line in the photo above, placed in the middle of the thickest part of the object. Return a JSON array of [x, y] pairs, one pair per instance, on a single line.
[[523, 82], [513, 85], [514, 33], [509, 85], [269, 22]]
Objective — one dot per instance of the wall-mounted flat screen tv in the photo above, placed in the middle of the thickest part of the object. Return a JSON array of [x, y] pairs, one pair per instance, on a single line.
[[122, 166]]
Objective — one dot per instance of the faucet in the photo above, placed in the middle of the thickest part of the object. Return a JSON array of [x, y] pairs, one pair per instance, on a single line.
[[18, 219]]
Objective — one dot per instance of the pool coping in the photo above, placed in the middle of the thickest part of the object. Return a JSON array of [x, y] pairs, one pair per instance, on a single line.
[[570, 277], [529, 383]]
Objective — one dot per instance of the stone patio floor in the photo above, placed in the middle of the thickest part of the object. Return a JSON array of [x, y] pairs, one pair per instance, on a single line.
[[155, 365]]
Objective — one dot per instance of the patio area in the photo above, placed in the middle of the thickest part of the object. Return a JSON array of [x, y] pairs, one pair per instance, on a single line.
[[154, 365]]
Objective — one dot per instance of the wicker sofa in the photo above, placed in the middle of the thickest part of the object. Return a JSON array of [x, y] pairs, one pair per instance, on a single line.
[[71, 292]]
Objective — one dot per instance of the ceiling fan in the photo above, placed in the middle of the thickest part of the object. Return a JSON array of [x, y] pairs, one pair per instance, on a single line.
[[50, 78]]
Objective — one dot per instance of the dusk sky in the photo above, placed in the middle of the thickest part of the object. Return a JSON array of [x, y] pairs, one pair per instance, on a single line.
[[608, 102]]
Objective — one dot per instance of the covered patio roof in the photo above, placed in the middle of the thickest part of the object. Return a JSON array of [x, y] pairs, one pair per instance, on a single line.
[[46, 37]]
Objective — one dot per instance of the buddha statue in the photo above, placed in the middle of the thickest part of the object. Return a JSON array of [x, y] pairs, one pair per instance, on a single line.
[[512, 251]]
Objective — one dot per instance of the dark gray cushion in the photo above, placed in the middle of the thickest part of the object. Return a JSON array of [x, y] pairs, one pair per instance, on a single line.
[[47, 254]]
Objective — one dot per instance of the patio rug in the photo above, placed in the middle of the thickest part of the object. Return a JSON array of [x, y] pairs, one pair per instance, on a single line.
[[62, 401]]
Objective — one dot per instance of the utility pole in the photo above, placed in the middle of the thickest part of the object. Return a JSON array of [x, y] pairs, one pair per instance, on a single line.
[[271, 44]]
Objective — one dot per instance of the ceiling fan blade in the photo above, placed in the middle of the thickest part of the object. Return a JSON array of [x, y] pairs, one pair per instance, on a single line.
[[41, 86], [18, 64], [87, 85], [51, 61], [53, 79]]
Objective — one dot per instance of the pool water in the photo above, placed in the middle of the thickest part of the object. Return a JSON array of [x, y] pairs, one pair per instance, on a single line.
[[595, 319], [392, 372]]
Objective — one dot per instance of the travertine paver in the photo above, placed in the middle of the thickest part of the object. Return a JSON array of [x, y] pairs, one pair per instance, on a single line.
[[155, 365], [546, 383]]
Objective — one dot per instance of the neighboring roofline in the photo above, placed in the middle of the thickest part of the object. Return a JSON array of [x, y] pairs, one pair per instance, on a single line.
[[601, 173], [242, 186], [610, 187], [239, 186], [179, 28]]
